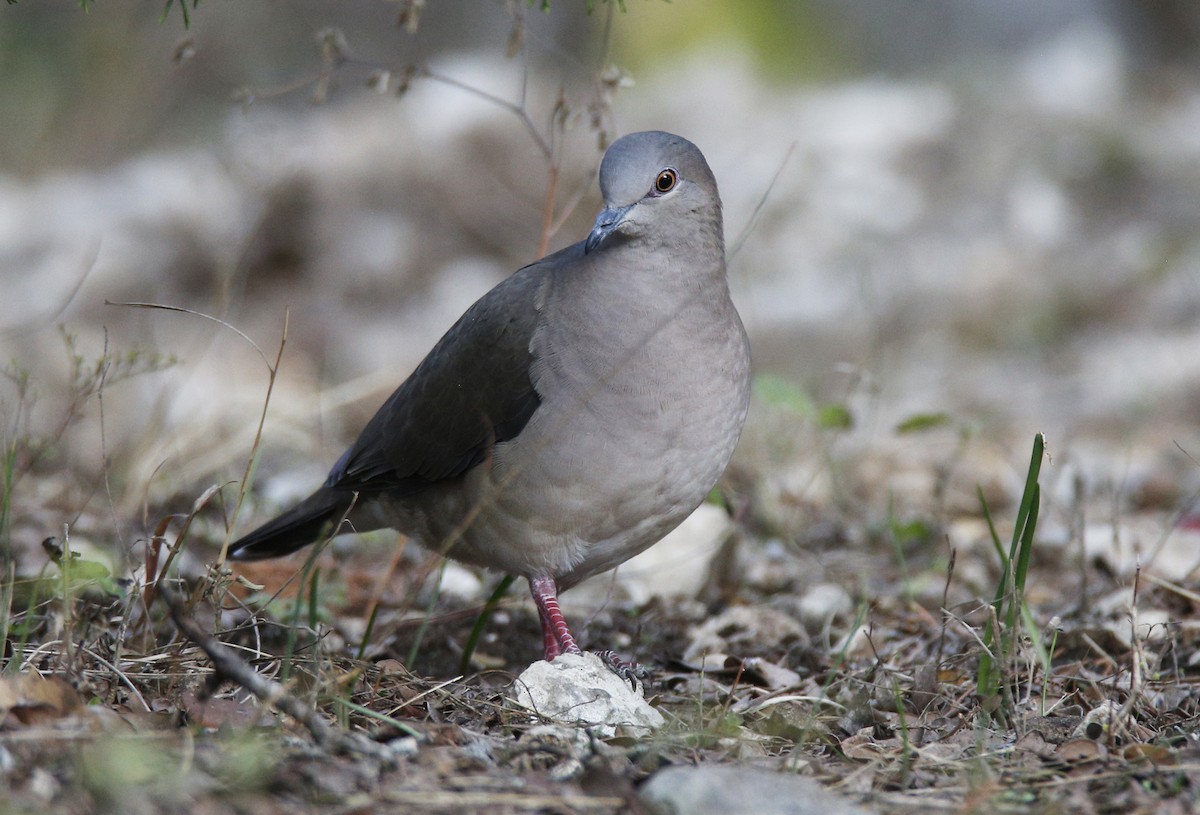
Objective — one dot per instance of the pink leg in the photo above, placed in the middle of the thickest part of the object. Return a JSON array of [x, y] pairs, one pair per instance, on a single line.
[[549, 641], [556, 636]]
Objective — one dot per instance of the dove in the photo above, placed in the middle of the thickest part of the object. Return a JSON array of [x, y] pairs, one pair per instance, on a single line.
[[576, 413]]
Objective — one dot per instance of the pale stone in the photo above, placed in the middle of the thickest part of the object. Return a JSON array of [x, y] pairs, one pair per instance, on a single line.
[[581, 689], [711, 789]]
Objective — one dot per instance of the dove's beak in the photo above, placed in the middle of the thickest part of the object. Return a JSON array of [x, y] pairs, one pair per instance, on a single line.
[[606, 222]]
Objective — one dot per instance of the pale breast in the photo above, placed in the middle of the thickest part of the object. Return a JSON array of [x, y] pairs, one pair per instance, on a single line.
[[619, 457], [633, 430]]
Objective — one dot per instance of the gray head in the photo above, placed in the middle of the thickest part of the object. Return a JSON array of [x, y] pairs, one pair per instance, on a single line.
[[654, 178]]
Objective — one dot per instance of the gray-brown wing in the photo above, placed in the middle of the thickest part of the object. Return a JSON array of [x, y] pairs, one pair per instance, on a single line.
[[471, 392]]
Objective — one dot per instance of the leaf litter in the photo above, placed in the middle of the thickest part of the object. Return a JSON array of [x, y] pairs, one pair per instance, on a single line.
[[873, 691]]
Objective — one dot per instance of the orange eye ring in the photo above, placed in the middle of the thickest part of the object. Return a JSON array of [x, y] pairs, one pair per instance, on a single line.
[[666, 181]]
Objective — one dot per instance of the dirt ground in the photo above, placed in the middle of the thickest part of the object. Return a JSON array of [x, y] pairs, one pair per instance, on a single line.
[[867, 680]]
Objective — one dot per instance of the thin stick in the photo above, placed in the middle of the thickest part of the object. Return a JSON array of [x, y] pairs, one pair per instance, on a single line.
[[762, 202], [258, 432], [517, 110], [548, 210], [272, 372], [125, 680], [201, 314], [229, 666], [92, 253]]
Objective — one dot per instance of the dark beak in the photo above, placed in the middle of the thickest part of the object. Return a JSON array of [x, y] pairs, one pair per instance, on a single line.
[[606, 222]]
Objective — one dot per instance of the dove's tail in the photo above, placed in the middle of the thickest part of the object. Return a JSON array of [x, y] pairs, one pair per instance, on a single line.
[[311, 520]]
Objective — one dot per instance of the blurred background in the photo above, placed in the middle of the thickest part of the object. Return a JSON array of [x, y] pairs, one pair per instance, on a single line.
[[951, 223]]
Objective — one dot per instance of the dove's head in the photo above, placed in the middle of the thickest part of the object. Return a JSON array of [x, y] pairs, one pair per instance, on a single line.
[[655, 185]]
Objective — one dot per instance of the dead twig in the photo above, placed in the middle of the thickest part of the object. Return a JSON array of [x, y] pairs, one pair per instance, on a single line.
[[229, 666], [272, 373]]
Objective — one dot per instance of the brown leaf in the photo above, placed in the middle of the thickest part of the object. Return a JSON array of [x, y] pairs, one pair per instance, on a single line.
[[213, 712], [1149, 753], [1035, 743], [952, 676], [1080, 751], [863, 746], [32, 698], [392, 666]]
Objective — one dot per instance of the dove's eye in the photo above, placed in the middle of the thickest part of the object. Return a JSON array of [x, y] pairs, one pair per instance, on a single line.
[[667, 178]]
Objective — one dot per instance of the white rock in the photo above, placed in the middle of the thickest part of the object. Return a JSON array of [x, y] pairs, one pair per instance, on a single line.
[[581, 689], [822, 602], [459, 581], [720, 790], [675, 566], [856, 644]]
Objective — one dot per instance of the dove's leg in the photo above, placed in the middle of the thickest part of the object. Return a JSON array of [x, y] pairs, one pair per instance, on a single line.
[[556, 636]]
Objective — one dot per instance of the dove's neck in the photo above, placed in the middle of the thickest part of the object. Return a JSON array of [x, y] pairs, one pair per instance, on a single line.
[[637, 321]]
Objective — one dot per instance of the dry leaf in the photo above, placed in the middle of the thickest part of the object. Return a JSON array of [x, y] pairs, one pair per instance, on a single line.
[[711, 663], [1035, 743], [1149, 753], [32, 698], [213, 712], [863, 746], [1080, 751], [774, 677]]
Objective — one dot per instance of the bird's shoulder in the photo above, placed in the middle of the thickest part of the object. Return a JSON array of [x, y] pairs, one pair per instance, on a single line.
[[472, 391]]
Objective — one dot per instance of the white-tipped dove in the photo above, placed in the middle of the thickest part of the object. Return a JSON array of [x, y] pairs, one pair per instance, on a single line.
[[576, 413]]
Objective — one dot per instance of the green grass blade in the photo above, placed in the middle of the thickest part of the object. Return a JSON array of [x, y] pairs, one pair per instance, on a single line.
[[995, 536], [1008, 604], [1029, 496], [481, 622], [381, 717], [1025, 550], [313, 592], [366, 638], [429, 609]]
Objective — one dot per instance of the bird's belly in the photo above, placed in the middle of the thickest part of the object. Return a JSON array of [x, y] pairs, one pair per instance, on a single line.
[[578, 494], [605, 467]]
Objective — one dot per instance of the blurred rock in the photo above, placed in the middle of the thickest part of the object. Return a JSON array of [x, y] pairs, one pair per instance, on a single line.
[[1143, 542], [744, 631], [709, 789], [675, 566], [856, 645], [823, 602]]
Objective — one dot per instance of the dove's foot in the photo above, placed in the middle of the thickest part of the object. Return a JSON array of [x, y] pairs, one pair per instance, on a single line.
[[628, 670]]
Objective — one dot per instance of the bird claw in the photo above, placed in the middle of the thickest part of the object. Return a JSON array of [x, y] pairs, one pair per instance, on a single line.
[[628, 670]]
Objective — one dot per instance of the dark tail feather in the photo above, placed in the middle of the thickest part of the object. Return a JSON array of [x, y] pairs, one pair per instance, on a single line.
[[307, 522]]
